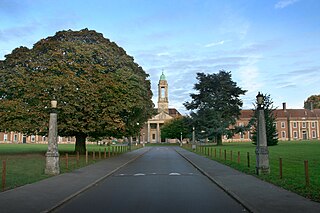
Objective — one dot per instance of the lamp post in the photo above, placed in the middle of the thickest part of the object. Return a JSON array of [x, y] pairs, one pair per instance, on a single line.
[[193, 139], [180, 138], [52, 155], [262, 153], [138, 133]]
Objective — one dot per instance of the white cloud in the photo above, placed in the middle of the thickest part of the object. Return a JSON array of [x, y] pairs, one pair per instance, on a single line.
[[214, 44], [284, 3]]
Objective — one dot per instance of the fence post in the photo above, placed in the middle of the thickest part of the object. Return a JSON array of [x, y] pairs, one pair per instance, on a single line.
[[215, 152], [220, 153], [306, 171], [67, 163], [4, 173], [93, 155], [238, 157], [105, 153], [225, 154], [280, 167], [231, 155], [109, 147], [248, 159], [86, 157], [99, 154]]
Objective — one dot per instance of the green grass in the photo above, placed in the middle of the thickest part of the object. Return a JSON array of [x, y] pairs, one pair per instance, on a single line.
[[25, 163], [293, 155]]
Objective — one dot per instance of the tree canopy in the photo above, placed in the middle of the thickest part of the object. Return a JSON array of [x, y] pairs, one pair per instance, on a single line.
[[100, 90], [173, 128], [216, 104], [314, 100]]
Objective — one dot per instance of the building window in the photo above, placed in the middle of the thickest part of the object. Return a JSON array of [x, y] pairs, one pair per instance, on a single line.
[[15, 138], [294, 124], [275, 124], [283, 134], [33, 138], [241, 124], [44, 138], [304, 125], [153, 136], [295, 134], [314, 135], [313, 124], [283, 124], [69, 139], [241, 135], [5, 137]]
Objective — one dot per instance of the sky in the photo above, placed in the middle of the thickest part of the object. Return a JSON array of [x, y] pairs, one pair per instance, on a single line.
[[271, 46]]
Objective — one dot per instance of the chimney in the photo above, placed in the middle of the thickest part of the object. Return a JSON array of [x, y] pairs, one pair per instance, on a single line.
[[284, 106]]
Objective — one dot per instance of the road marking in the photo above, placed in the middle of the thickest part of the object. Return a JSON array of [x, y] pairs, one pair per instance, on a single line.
[[174, 174], [139, 174]]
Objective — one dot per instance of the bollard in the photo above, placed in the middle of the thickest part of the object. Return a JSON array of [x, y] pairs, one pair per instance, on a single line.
[[105, 153], [306, 172], [86, 157], [67, 163], [238, 157], [280, 168], [4, 173], [109, 151], [248, 159]]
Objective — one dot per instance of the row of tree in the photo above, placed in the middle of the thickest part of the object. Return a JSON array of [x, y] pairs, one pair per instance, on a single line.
[[100, 90], [215, 109]]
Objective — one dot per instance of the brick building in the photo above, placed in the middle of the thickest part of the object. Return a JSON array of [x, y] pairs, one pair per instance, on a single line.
[[291, 124]]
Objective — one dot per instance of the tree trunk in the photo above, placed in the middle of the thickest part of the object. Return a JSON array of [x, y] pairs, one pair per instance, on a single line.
[[219, 139], [80, 143]]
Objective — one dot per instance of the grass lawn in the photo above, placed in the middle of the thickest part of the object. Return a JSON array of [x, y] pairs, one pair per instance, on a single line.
[[25, 163], [293, 155]]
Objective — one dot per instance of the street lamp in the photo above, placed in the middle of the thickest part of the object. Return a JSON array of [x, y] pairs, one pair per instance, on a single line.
[[262, 153], [193, 139], [180, 138], [138, 133], [52, 155]]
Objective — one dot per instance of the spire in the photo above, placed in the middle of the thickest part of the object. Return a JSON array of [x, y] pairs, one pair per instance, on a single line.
[[163, 77]]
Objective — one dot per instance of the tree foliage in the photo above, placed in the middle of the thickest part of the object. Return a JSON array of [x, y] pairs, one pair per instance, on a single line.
[[100, 90], [174, 127], [217, 104], [314, 100], [270, 119]]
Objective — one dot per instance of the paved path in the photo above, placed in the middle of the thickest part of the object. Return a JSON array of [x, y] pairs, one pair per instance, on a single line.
[[137, 167], [159, 181]]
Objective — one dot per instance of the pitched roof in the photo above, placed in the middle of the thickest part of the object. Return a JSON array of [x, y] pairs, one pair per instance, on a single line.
[[280, 113]]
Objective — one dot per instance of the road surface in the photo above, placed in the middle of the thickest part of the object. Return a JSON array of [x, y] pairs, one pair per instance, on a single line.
[[160, 181]]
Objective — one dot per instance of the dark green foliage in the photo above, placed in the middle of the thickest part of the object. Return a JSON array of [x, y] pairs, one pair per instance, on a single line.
[[100, 90], [217, 104], [314, 100], [173, 128], [272, 134]]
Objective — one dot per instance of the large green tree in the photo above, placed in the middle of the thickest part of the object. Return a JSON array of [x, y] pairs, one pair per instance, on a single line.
[[270, 119], [173, 128], [313, 100], [216, 105], [100, 90]]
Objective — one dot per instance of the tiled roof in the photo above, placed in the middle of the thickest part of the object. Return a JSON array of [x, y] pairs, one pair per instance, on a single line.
[[280, 113]]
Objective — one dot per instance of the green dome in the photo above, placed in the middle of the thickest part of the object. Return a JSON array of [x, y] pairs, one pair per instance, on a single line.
[[162, 77]]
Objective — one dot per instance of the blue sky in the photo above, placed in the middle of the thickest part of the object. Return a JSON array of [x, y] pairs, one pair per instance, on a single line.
[[272, 46]]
